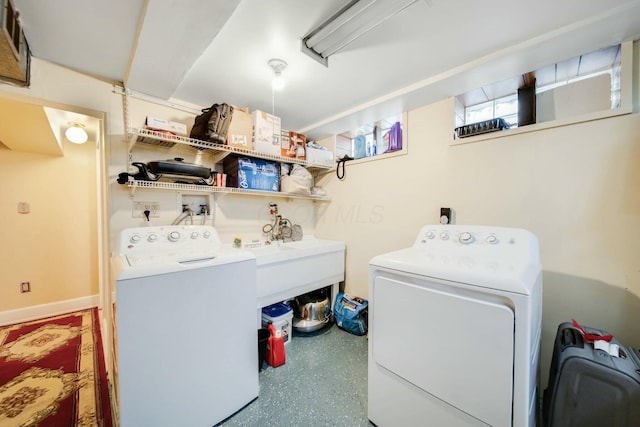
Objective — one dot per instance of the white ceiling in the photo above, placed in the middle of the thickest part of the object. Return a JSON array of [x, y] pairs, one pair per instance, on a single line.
[[213, 51]]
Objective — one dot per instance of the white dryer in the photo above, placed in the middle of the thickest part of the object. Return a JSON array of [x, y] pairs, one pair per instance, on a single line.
[[187, 346], [454, 329]]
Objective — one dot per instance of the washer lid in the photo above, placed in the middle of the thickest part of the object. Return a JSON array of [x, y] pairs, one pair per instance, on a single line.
[[124, 268], [505, 259], [149, 251]]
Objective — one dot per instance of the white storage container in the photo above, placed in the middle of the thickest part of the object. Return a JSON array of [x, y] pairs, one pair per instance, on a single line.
[[281, 315], [320, 157]]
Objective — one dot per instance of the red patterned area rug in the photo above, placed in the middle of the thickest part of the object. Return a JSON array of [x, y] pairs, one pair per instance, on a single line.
[[52, 373]]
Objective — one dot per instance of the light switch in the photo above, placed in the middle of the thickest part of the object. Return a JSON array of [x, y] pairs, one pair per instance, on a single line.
[[23, 207]]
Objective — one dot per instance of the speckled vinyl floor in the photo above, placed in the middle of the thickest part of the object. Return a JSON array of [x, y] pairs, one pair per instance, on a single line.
[[323, 383]]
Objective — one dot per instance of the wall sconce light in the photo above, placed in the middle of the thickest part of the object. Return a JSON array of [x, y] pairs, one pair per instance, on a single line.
[[277, 65], [76, 133]]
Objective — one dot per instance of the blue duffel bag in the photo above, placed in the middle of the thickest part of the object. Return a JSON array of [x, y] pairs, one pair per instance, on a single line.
[[351, 313]]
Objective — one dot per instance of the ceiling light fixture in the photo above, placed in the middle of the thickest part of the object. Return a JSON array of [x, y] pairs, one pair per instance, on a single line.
[[349, 23], [76, 133], [277, 82], [277, 65]]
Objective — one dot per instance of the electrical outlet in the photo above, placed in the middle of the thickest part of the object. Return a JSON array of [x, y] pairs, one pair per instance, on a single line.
[[25, 287], [140, 207], [447, 216]]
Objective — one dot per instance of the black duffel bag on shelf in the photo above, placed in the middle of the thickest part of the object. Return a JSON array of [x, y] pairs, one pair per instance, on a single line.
[[213, 123]]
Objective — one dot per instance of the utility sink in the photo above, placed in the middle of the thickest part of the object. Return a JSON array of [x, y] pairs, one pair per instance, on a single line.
[[264, 251], [286, 270]]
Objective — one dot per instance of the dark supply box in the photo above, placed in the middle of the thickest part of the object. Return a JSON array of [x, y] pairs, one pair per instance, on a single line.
[[588, 387], [252, 174]]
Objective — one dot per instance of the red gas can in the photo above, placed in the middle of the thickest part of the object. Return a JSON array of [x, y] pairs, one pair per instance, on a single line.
[[275, 348]]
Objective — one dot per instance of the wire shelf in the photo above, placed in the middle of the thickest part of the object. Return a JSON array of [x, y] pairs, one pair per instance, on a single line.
[[164, 139], [134, 184]]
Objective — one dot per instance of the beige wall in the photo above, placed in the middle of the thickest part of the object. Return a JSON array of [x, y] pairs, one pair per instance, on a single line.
[[54, 247], [576, 187]]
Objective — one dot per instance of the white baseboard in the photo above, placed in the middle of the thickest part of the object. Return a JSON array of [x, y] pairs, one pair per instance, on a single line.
[[34, 312]]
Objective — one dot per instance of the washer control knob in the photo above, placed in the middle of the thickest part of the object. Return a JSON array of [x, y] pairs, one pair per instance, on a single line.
[[135, 238], [152, 238], [444, 235], [466, 237], [207, 234], [194, 235], [430, 235], [492, 240], [174, 236]]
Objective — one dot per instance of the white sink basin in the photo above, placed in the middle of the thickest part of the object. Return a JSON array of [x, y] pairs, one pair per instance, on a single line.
[[286, 270], [310, 246], [261, 251], [311, 243]]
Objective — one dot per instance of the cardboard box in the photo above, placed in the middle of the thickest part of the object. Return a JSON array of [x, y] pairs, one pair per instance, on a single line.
[[240, 132], [266, 129], [155, 123], [320, 157], [293, 145], [251, 174]]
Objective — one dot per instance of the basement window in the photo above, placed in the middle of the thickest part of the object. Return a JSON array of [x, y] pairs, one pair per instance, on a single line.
[[566, 92], [375, 140], [505, 107]]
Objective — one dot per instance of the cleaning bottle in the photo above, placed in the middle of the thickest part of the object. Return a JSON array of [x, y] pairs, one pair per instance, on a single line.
[[275, 347]]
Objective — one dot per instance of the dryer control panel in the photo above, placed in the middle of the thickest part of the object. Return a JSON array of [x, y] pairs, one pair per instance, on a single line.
[[467, 235], [463, 237], [510, 242]]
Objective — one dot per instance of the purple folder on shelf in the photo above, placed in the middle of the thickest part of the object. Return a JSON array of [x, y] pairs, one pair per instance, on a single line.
[[395, 137]]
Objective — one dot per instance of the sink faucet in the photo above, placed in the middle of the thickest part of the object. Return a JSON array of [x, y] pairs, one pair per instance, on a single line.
[[279, 229]]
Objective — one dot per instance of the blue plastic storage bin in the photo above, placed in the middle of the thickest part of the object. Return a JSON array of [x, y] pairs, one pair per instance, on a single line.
[[281, 315]]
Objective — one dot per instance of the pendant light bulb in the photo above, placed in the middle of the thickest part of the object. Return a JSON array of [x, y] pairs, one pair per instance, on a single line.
[[277, 81], [76, 133]]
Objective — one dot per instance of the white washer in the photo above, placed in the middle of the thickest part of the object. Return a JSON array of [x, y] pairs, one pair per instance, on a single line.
[[186, 335], [455, 323]]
